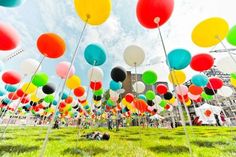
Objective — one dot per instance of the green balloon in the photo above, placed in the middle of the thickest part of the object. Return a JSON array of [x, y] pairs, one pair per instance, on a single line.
[[231, 37], [40, 79], [233, 75], [150, 95], [163, 103], [149, 77], [206, 97], [98, 92], [49, 98], [110, 103]]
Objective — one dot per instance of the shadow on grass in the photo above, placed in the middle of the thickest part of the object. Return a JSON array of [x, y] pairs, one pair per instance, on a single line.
[[179, 133], [16, 149], [169, 149], [166, 138], [91, 151], [50, 139], [209, 144]]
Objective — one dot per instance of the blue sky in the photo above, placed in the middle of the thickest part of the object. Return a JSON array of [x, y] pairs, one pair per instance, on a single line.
[[35, 17]]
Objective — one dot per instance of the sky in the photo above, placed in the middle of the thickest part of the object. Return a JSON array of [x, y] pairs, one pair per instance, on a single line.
[[122, 29]]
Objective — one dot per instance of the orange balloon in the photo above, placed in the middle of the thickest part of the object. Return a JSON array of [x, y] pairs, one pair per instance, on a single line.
[[141, 105], [51, 45], [195, 90]]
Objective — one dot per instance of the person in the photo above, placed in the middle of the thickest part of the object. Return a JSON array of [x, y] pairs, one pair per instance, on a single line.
[[222, 117], [109, 121], [56, 125], [97, 136], [217, 120]]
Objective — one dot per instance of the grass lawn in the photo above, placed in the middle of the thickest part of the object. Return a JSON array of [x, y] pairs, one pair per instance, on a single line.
[[205, 142]]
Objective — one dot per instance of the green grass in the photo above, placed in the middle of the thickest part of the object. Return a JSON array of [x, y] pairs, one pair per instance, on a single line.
[[128, 142]]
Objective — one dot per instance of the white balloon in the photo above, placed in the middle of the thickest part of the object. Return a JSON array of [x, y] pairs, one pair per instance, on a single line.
[[29, 66], [95, 74], [39, 93], [157, 99], [134, 55], [139, 87], [226, 65], [83, 98], [193, 97], [113, 94], [225, 91]]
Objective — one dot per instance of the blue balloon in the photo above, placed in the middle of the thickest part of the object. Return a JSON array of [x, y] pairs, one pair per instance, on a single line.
[[200, 80], [63, 96], [11, 3], [115, 86], [179, 59], [95, 55], [54, 102], [2, 92], [6, 100], [10, 88], [143, 97]]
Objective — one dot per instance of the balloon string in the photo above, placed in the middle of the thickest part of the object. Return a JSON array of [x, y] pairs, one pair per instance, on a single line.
[[15, 110], [13, 55], [63, 88], [179, 105]]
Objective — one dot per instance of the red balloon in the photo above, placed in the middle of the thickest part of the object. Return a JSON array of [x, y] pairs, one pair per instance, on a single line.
[[51, 45], [148, 10], [81, 101], [25, 100], [141, 105], [129, 97], [20, 93], [69, 99], [195, 90], [198, 100], [9, 37], [11, 77], [167, 107], [95, 85], [79, 91], [215, 83], [202, 62], [62, 105], [12, 96], [161, 89], [185, 98]]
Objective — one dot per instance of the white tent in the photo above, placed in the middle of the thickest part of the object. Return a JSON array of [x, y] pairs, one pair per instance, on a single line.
[[206, 113]]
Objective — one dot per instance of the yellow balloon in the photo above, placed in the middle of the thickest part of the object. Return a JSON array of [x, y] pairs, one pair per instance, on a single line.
[[34, 98], [188, 103], [94, 12], [172, 100], [177, 77], [210, 32], [29, 88], [73, 82], [233, 82]]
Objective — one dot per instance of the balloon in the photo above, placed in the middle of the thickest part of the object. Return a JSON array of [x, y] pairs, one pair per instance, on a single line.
[[95, 74], [73, 82], [226, 64], [62, 69], [49, 88], [134, 55], [97, 98], [215, 83], [69, 100], [157, 99], [92, 11], [179, 59], [115, 85], [202, 62], [11, 3], [148, 10], [10, 88], [139, 87], [225, 91], [206, 97], [51, 45], [28, 88], [9, 37], [29, 66], [200, 80], [161, 89], [95, 55], [95, 85], [150, 95], [181, 90], [2, 92], [63, 95], [129, 97], [141, 105], [11, 77], [206, 34], [20, 93], [49, 98], [168, 96], [209, 91], [163, 103], [231, 37], [188, 103], [79, 91], [25, 100], [40, 94], [177, 77], [118, 74], [150, 103], [193, 97], [40, 79], [98, 92], [195, 90], [172, 100], [233, 75], [12, 96], [149, 77]]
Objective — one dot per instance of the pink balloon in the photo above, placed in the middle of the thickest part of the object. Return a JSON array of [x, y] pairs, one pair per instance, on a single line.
[[150, 108], [193, 97], [62, 68], [9, 37], [181, 90], [175, 103]]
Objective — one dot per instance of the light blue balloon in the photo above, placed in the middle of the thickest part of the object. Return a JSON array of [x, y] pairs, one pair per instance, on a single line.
[[115, 86], [95, 54], [2, 92], [143, 97], [200, 80], [63, 96], [179, 59], [10, 88], [54, 102], [6, 100], [11, 3]]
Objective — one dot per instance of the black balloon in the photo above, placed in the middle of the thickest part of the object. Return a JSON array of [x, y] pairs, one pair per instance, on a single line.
[[150, 103], [168, 96], [49, 88], [33, 103], [97, 98], [118, 74], [209, 91]]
